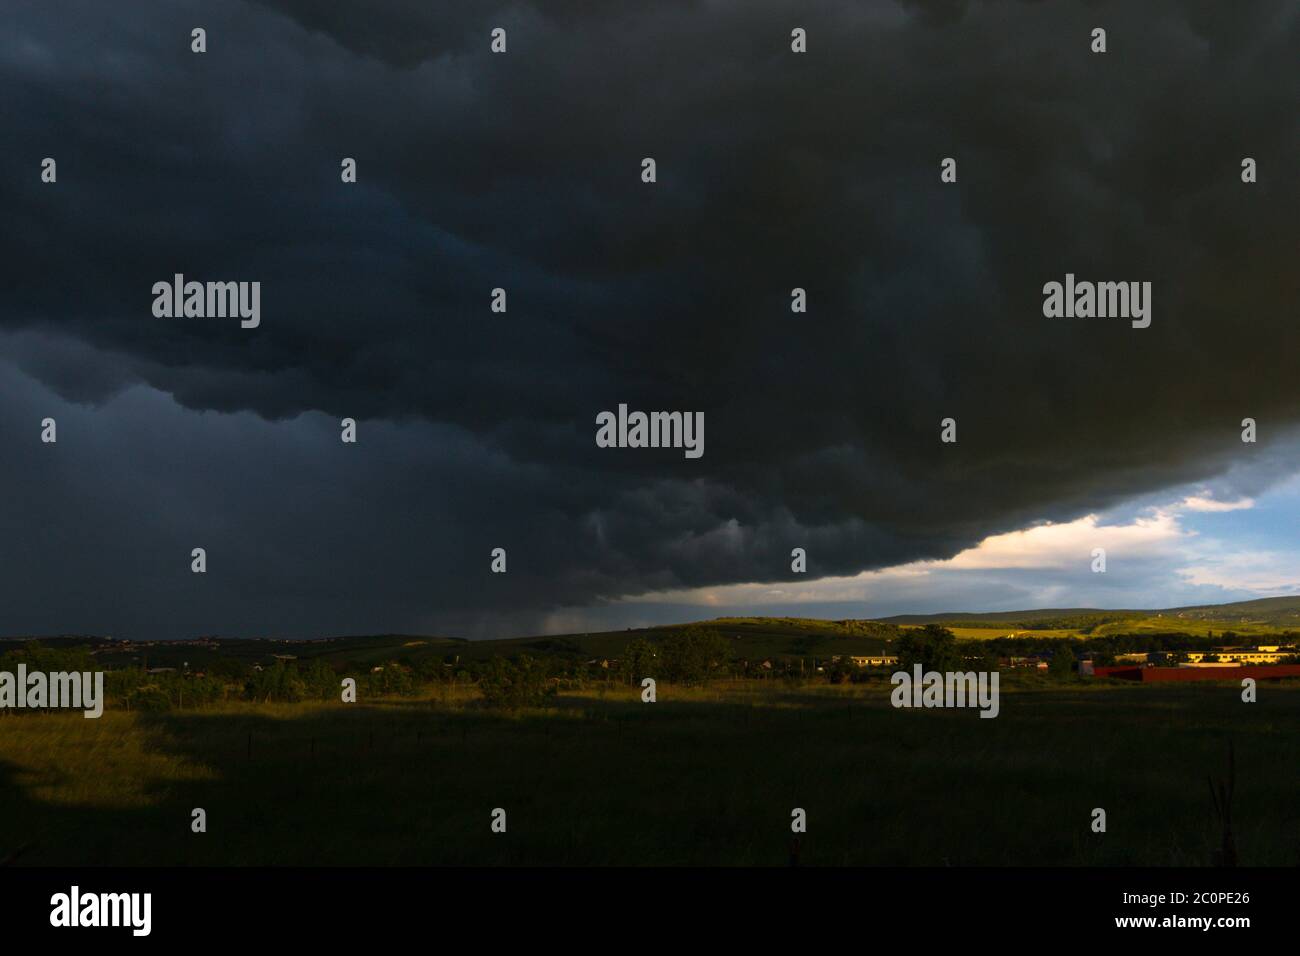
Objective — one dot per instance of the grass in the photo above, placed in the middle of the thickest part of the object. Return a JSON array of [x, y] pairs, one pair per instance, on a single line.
[[703, 776], [990, 633]]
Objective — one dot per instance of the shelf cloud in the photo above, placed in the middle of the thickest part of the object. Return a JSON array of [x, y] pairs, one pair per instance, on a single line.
[[522, 171]]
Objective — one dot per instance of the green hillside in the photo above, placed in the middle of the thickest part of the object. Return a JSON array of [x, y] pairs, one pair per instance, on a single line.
[[1263, 616], [752, 638]]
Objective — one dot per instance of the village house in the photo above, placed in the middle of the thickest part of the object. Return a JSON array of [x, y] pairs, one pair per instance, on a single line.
[[875, 660], [1263, 654]]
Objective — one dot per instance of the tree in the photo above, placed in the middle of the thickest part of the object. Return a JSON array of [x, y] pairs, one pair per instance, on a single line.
[[931, 646], [980, 656], [1062, 664], [639, 660], [228, 668], [320, 679], [392, 678], [693, 654]]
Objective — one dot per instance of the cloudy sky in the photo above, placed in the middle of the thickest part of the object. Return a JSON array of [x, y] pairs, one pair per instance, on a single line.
[[522, 171]]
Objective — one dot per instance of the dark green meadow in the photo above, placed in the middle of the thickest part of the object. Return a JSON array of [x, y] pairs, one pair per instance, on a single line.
[[704, 776]]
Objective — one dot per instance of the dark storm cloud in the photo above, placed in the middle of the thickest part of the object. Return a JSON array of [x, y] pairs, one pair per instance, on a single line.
[[522, 171]]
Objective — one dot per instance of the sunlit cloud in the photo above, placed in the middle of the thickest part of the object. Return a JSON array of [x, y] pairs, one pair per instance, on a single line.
[[1201, 503], [1270, 572], [1069, 544], [1156, 552]]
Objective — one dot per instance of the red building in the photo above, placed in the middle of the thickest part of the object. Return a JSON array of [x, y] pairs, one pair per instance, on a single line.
[[1149, 674]]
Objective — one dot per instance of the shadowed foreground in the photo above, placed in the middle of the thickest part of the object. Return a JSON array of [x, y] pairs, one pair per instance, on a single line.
[[701, 777]]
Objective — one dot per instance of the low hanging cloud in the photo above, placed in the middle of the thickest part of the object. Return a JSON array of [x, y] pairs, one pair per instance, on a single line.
[[521, 171]]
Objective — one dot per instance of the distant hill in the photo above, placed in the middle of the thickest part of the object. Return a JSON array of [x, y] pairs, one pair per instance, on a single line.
[[752, 638], [1276, 612], [755, 638]]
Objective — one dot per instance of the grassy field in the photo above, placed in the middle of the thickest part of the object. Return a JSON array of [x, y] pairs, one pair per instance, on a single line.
[[701, 777], [1245, 630], [989, 633]]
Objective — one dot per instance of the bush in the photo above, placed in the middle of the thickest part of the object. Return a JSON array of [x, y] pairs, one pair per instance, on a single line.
[[509, 686], [228, 669], [37, 657], [148, 697], [279, 683], [841, 671]]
